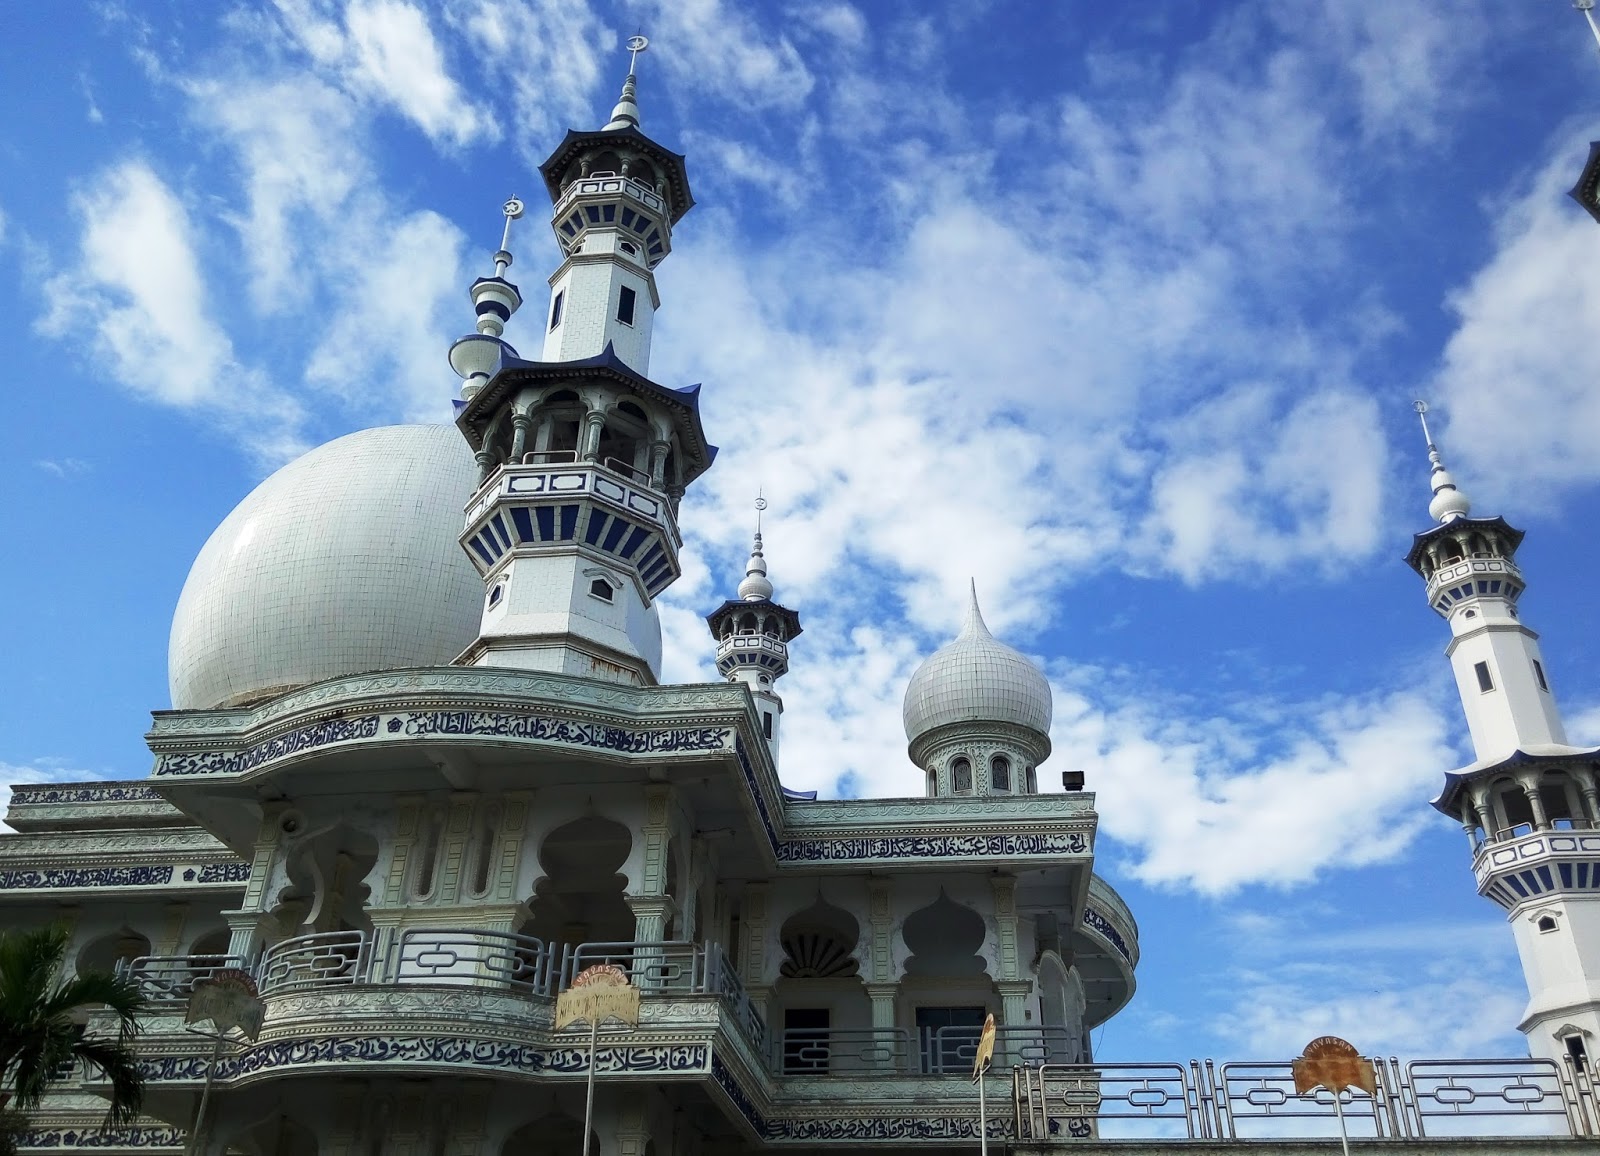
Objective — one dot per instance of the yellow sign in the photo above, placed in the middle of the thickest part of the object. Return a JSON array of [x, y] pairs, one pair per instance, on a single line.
[[597, 994], [1332, 1063], [228, 998], [985, 1056]]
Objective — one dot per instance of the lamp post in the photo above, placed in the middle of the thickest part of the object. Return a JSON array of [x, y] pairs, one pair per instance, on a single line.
[[597, 993], [229, 999]]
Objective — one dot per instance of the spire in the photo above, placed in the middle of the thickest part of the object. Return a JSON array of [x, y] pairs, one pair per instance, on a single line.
[[476, 356], [626, 112], [1449, 503], [973, 626], [756, 587], [1587, 8]]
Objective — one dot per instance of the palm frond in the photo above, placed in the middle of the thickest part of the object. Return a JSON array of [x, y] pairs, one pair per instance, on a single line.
[[116, 992], [120, 1066]]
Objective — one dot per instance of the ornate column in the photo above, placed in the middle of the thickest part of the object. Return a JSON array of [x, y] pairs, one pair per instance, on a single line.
[[513, 829], [177, 915], [485, 460], [521, 423], [244, 924], [1013, 987], [1591, 794], [1530, 788], [658, 463], [881, 984], [457, 834], [589, 446], [753, 949]]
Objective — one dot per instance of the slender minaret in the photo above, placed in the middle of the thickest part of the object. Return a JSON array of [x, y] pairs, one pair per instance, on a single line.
[[582, 459], [1528, 802], [753, 634]]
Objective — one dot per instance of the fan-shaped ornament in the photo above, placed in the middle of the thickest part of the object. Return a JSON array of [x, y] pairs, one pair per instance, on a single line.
[[816, 955]]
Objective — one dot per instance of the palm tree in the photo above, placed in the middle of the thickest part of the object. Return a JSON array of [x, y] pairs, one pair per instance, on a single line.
[[41, 1028]]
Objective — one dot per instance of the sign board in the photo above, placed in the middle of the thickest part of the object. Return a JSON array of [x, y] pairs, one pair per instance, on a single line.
[[229, 999], [1332, 1063], [597, 994]]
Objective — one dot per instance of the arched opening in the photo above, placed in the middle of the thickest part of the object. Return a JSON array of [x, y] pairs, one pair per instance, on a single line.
[[605, 164], [580, 898], [947, 982], [643, 172], [933, 784], [961, 776], [553, 1133], [1513, 813], [769, 626], [1562, 805], [748, 624], [1000, 774], [110, 952], [824, 1007], [1061, 1007]]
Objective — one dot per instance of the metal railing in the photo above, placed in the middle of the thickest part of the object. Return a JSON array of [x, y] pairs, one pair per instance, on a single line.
[[841, 1051], [167, 980], [468, 956], [323, 959], [499, 959], [952, 1050], [1254, 1100]]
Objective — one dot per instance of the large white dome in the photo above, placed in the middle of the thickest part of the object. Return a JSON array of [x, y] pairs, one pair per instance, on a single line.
[[344, 561], [976, 678]]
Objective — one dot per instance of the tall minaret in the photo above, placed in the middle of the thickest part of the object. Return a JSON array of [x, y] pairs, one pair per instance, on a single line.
[[753, 634], [1529, 801], [582, 459]]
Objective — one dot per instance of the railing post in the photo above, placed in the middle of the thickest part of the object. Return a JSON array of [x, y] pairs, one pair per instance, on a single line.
[[1219, 1103]]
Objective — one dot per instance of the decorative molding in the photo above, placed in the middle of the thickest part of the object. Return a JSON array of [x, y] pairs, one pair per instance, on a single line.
[[988, 846], [91, 1137], [1098, 922], [36, 794], [453, 1051], [145, 876], [493, 724]]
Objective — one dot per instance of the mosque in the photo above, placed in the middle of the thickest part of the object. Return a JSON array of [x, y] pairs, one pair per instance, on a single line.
[[420, 774]]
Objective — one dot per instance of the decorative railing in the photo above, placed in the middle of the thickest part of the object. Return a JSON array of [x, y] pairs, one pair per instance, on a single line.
[[324, 959], [166, 980], [452, 955], [499, 959], [841, 1051], [1202, 1100], [950, 1051]]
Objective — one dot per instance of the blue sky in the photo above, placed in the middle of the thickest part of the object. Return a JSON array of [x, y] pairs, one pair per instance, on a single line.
[[1117, 308]]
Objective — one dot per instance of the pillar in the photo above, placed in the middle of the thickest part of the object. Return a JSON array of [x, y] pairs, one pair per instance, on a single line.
[[753, 949], [1530, 788], [521, 423]]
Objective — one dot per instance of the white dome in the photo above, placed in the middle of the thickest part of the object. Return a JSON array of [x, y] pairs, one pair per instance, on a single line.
[[344, 561], [976, 679]]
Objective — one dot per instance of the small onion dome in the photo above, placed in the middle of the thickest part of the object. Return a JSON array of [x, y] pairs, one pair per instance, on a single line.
[[756, 587], [976, 678]]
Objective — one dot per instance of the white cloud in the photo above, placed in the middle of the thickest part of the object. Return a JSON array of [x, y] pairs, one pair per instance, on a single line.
[[63, 467], [386, 51], [136, 293], [1272, 793], [719, 49], [1383, 986], [1517, 381]]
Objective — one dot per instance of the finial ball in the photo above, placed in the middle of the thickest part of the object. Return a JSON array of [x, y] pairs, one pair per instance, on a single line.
[[513, 208]]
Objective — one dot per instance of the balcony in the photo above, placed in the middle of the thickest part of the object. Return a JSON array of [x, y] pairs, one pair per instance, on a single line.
[[945, 1051]]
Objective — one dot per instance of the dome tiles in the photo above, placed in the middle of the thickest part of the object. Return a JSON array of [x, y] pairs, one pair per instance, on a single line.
[[344, 561]]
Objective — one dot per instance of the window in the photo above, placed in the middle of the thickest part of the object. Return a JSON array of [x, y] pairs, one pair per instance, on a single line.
[[947, 1035], [625, 301], [1000, 773], [805, 1039], [1538, 672], [496, 592], [1485, 682], [766, 723], [1033, 781], [933, 784], [555, 309], [1576, 1050], [1546, 923], [961, 777], [601, 589]]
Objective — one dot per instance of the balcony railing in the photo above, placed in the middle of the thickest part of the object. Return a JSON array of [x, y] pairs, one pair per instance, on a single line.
[[1202, 1100], [946, 1051], [166, 980], [498, 959]]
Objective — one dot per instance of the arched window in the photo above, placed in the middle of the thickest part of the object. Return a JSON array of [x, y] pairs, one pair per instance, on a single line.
[[1000, 773], [933, 784], [1032, 777], [747, 624], [961, 777]]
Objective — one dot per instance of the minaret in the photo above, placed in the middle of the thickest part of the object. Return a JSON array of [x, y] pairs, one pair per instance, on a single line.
[[753, 634], [1529, 801], [582, 459]]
